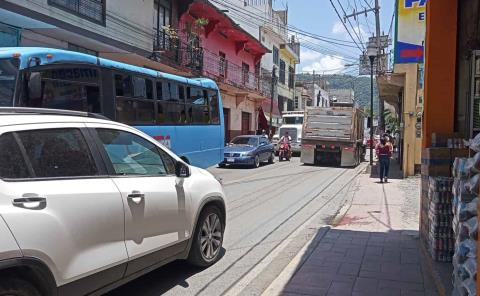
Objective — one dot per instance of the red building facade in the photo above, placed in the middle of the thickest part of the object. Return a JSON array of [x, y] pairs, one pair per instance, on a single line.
[[221, 50]]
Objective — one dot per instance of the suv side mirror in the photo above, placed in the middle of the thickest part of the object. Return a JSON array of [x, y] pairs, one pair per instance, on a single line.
[[182, 170]]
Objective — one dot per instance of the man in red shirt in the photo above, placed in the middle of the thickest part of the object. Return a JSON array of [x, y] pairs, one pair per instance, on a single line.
[[384, 153]]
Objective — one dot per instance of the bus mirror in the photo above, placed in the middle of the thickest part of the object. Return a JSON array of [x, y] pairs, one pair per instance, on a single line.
[[35, 86]]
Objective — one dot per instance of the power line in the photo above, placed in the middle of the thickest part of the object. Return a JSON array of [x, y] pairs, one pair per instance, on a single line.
[[348, 19], [340, 18]]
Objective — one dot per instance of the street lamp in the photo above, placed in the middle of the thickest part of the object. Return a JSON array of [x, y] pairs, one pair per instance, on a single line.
[[371, 53]]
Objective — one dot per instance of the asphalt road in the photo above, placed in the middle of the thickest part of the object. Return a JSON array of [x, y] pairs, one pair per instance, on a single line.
[[272, 212]]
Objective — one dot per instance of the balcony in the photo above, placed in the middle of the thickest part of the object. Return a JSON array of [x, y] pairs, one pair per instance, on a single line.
[[170, 49], [239, 76], [293, 48]]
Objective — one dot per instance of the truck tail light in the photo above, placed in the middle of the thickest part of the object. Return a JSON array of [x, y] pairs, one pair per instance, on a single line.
[[332, 147], [323, 146]]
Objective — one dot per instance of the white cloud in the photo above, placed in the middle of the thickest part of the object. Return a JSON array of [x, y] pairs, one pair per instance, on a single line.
[[307, 55], [325, 64], [338, 29]]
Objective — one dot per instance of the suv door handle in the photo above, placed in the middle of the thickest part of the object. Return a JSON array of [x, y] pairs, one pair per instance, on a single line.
[[136, 196], [30, 202]]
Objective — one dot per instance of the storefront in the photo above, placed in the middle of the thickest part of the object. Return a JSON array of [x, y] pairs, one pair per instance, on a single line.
[[449, 199]]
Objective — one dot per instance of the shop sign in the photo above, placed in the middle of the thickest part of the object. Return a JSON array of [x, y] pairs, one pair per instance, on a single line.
[[410, 32]]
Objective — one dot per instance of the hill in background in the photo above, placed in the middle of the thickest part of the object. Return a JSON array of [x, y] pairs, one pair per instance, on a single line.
[[360, 85]]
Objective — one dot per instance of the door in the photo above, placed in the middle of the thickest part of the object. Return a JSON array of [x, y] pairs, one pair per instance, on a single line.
[[226, 120], [265, 149], [246, 123], [61, 206], [154, 198]]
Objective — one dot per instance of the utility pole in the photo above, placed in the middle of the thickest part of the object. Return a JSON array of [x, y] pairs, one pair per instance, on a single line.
[[274, 82], [381, 104]]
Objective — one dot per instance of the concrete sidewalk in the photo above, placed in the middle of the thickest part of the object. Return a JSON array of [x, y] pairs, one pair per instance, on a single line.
[[371, 248]]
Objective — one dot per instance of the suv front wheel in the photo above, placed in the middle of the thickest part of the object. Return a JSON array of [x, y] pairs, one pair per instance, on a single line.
[[208, 238], [17, 287]]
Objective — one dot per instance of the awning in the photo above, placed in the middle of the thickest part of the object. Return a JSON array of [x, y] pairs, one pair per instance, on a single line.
[[390, 86]]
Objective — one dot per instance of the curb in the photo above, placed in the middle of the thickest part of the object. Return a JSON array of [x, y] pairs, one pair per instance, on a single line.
[[281, 281], [427, 262]]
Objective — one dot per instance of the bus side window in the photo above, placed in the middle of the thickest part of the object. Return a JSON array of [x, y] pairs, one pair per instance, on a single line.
[[139, 87], [123, 85], [214, 110], [149, 89], [159, 86]]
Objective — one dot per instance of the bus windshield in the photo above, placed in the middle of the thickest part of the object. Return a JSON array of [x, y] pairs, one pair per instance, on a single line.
[[293, 120], [8, 76]]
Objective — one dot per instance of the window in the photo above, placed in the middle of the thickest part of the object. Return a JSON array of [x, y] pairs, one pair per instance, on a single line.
[[263, 141], [197, 107], [12, 164], [77, 48], [8, 77], [282, 72], [276, 56], [139, 87], [131, 154], [159, 85], [58, 153], [134, 104], [93, 10], [214, 107], [67, 88], [123, 85], [291, 77], [245, 73], [222, 65]]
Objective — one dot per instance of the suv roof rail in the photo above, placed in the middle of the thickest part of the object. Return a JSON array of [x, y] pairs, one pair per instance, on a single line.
[[46, 111]]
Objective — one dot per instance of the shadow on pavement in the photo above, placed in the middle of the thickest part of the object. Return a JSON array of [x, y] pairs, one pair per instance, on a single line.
[[347, 262], [394, 173], [161, 280]]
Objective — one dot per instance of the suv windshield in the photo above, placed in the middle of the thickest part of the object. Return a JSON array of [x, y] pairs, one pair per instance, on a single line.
[[250, 141], [8, 75], [293, 120]]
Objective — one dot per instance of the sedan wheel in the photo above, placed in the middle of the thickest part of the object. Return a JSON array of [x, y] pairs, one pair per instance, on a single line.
[[256, 163], [208, 238]]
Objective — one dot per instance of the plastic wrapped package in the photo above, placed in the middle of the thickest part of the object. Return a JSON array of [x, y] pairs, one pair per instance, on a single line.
[[475, 143], [470, 286], [474, 163], [470, 267], [460, 169], [472, 184], [466, 249], [472, 226], [466, 211]]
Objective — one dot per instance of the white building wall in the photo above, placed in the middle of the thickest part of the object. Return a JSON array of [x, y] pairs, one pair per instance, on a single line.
[[127, 21]]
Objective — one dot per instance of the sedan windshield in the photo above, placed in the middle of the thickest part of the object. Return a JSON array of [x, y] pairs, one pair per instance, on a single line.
[[250, 141], [8, 75]]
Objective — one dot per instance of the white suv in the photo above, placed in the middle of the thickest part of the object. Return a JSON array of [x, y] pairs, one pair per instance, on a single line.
[[88, 204]]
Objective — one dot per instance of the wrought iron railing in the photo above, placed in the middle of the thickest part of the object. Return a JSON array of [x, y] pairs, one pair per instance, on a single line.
[[174, 50], [170, 49]]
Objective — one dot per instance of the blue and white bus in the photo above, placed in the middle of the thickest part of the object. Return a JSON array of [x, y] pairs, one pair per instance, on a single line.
[[184, 114]]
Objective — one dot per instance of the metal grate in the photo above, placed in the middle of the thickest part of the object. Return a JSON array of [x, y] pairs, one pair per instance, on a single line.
[[476, 114], [89, 9]]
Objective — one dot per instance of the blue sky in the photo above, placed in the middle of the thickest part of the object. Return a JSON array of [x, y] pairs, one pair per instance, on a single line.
[[319, 17]]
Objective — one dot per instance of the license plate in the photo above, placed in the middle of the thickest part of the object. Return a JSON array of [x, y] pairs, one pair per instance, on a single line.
[[230, 159]]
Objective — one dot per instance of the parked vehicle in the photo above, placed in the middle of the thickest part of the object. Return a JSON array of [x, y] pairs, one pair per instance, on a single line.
[[284, 152], [178, 112], [248, 150], [333, 134], [88, 204], [293, 124]]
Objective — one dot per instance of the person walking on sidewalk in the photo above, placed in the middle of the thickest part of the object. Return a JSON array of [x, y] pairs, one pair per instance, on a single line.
[[384, 153]]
